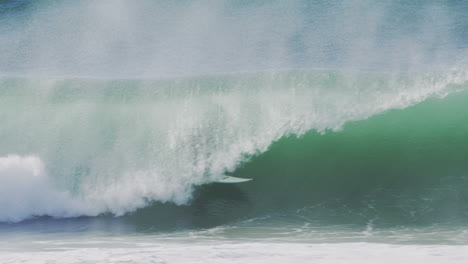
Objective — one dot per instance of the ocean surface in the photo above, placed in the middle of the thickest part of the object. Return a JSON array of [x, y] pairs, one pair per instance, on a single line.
[[117, 119]]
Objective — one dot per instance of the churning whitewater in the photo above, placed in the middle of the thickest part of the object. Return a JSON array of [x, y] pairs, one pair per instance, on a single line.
[[93, 146]]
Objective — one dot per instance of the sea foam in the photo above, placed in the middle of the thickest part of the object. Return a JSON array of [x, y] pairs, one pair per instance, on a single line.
[[26, 190]]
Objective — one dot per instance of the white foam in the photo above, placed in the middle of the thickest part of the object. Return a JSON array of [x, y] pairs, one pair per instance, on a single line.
[[225, 252], [26, 191]]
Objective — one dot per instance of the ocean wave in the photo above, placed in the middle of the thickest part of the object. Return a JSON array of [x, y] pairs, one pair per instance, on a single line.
[[113, 146]]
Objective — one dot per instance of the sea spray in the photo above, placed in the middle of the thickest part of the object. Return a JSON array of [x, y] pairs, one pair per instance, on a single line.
[[26, 190]]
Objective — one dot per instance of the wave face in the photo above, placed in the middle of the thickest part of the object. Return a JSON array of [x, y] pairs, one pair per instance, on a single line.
[[402, 167], [114, 146]]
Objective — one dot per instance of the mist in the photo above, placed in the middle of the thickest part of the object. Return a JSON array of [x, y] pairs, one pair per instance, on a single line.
[[164, 38]]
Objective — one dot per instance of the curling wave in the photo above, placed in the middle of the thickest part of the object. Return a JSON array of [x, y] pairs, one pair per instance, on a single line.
[[118, 145]]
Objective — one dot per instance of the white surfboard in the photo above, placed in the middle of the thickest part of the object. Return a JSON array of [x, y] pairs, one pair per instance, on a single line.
[[230, 179]]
